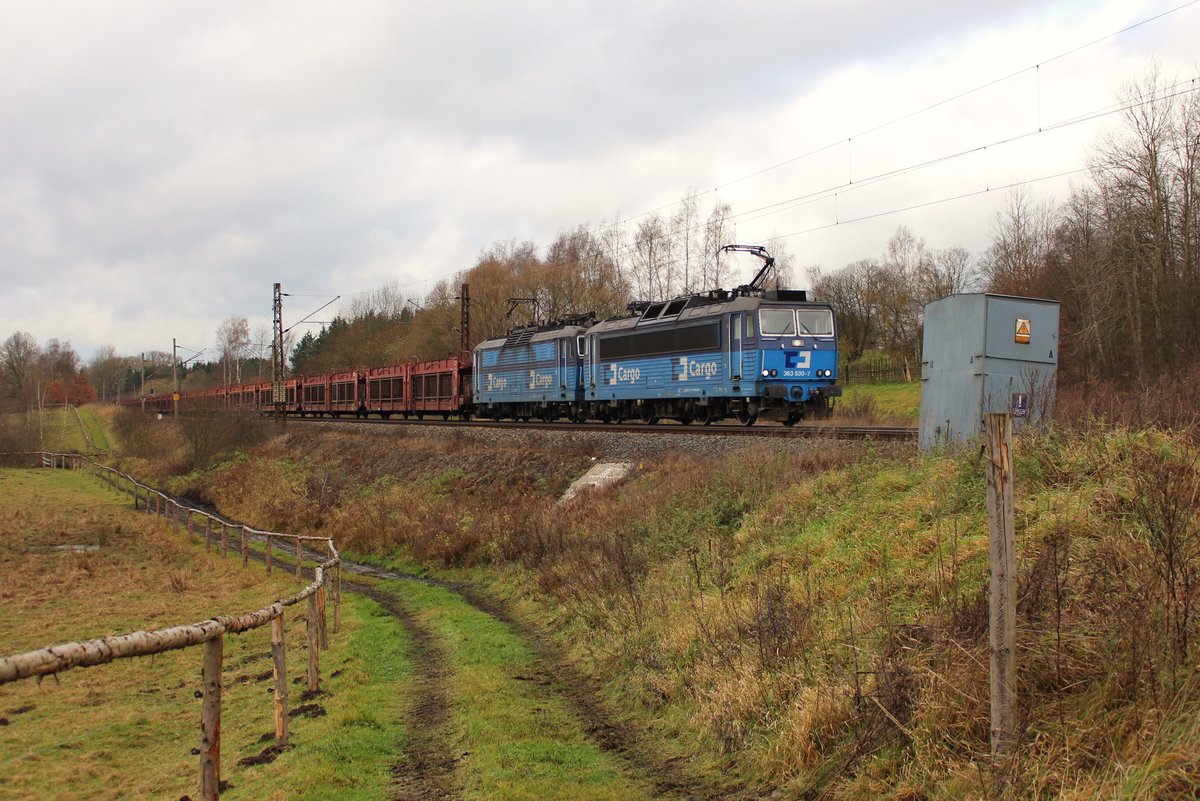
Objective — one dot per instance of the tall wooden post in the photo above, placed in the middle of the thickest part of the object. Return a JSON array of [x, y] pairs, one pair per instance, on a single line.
[[269, 541], [321, 620], [1002, 567], [337, 593], [314, 657], [210, 721], [245, 548], [279, 655], [299, 553]]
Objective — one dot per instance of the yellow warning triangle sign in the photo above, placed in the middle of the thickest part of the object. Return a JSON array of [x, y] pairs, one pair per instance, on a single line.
[[1022, 332]]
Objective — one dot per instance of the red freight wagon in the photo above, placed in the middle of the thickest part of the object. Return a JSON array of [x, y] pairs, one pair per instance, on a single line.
[[314, 395], [439, 387], [387, 391], [347, 393]]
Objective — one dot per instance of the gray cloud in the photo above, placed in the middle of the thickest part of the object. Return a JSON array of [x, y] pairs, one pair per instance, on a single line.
[[163, 163]]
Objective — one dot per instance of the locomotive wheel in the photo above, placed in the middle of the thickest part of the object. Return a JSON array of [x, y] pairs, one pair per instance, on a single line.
[[745, 418], [792, 419], [446, 416], [685, 420]]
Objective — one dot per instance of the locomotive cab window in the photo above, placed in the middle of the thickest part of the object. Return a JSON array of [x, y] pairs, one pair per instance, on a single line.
[[675, 308], [653, 311], [816, 322], [777, 322]]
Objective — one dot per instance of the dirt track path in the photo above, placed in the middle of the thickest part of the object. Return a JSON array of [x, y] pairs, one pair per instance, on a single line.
[[427, 771]]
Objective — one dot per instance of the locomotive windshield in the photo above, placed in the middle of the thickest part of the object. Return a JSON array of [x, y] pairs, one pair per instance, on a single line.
[[817, 322], [777, 322], [786, 322]]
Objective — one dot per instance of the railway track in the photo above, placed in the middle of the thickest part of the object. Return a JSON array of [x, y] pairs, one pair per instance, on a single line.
[[830, 430]]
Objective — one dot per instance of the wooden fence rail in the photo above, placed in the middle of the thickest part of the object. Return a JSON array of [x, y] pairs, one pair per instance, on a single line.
[[210, 633]]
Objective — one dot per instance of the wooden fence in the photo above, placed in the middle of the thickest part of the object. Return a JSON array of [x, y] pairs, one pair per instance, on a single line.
[[209, 633]]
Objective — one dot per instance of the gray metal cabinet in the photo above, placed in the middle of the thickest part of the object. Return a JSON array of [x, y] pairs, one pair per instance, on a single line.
[[986, 353]]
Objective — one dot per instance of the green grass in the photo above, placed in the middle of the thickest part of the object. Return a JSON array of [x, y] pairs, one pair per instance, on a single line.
[[520, 740], [901, 401], [127, 729], [96, 420], [349, 753]]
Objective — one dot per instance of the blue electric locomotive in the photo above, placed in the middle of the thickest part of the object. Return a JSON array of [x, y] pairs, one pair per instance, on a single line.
[[534, 372], [748, 353]]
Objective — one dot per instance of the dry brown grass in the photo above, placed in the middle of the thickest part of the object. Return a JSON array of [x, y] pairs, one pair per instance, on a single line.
[[79, 563], [1169, 402]]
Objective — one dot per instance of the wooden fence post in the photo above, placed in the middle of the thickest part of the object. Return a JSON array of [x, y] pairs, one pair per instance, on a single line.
[[245, 548], [299, 553], [269, 541], [191, 527], [321, 618], [147, 501], [314, 658], [337, 593], [210, 721], [175, 515], [1002, 563], [279, 655]]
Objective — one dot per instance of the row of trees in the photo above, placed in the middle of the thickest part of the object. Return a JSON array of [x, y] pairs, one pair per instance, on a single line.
[[42, 375], [33, 374], [880, 300], [1122, 251]]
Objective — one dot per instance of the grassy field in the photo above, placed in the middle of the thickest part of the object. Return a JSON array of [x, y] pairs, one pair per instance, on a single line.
[[127, 730], [885, 403], [58, 429]]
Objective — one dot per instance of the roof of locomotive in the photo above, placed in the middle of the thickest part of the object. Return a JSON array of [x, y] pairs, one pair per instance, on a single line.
[[525, 336], [705, 309]]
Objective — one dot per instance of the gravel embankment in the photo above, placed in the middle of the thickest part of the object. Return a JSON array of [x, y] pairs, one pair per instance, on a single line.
[[611, 446]]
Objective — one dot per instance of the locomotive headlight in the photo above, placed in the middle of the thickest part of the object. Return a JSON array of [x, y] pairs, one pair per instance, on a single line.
[[774, 373], [797, 343], [766, 373]]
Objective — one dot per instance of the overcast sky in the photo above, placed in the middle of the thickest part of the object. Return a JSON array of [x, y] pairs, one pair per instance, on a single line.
[[163, 163]]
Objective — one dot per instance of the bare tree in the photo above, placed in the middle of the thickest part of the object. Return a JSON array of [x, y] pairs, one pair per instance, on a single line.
[[854, 293], [1021, 236], [106, 371], [685, 226], [18, 362], [650, 259], [947, 272], [233, 341], [783, 275], [719, 230]]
